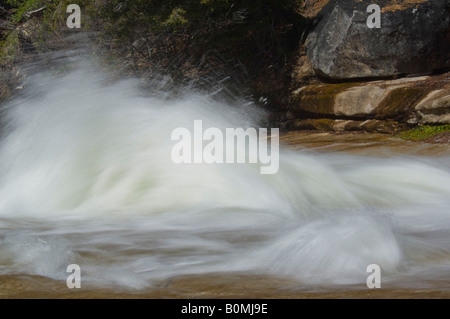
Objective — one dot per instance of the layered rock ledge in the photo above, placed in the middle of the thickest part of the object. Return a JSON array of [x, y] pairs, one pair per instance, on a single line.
[[350, 77]]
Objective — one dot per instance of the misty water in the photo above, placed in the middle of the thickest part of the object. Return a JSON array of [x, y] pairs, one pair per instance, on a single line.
[[86, 177]]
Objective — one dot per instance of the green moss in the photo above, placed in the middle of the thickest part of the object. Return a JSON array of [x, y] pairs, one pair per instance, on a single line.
[[9, 47], [311, 124], [400, 101], [5, 93], [177, 17], [424, 132], [324, 124], [320, 99], [22, 7]]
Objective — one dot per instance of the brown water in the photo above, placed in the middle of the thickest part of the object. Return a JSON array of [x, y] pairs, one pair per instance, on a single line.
[[222, 286], [226, 285]]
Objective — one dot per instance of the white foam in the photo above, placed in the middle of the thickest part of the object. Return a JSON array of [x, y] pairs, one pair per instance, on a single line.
[[85, 167]]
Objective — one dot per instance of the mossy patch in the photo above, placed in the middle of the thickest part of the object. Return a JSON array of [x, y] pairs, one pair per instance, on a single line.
[[320, 99], [401, 102], [310, 124], [9, 47], [424, 132]]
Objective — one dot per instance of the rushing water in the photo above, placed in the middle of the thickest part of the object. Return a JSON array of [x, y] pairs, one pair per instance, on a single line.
[[86, 178]]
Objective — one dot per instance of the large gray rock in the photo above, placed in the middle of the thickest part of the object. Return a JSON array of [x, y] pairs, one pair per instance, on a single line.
[[414, 38]]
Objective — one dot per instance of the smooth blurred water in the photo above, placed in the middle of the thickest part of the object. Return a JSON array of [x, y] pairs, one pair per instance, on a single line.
[[86, 178]]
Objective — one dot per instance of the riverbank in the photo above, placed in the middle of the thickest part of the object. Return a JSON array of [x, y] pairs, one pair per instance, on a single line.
[[255, 50]]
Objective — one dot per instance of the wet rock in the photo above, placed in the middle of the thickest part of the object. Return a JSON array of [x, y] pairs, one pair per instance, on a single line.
[[435, 107], [414, 39], [339, 125], [395, 99], [400, 103]]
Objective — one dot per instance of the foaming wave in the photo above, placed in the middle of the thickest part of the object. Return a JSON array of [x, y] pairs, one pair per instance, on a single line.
[[87, 178]]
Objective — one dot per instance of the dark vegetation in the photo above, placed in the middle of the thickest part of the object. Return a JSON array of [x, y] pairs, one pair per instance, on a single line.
[[249, 47], [206, 41], [237, 43]]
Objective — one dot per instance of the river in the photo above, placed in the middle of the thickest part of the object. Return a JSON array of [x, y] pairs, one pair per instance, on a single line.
[[87, 178]]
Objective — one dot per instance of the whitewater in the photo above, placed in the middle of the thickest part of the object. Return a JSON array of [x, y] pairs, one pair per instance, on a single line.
[[86, 177]]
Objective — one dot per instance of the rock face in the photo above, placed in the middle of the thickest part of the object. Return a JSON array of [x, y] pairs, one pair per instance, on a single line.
[[384, 106], [414, 39], [435, 108]]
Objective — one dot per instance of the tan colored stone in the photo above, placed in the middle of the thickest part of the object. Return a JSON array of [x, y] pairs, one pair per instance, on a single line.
[[349, 99], [435, 100], [435, 107], [360, 100], [340, 125], [434, 119]]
